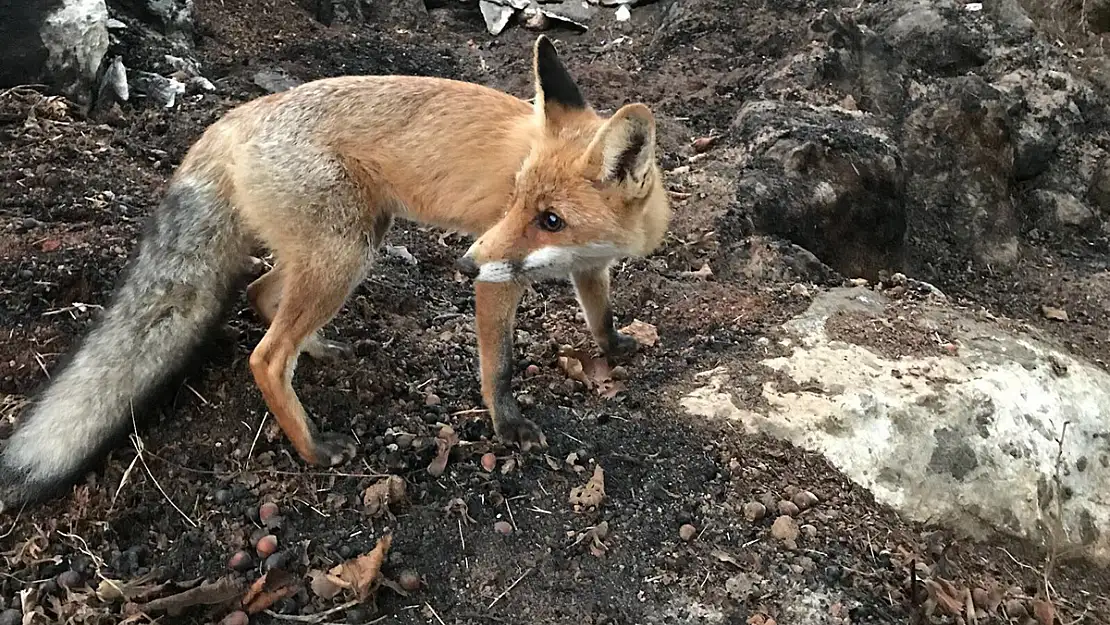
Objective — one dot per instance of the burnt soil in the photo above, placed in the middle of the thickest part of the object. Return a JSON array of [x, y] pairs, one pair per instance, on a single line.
[[74, 196]]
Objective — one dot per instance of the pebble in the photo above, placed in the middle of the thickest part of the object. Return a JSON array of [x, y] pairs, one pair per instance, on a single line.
[[431, 399], [267, 545], [69, 579], [240, 561], [267, 511], [754, 511], [489, 462], [237, 617], [809, 530], [1015, 609], [686, 532], [532, 370], [410, 581], [404, 441], [785, 528], [788, 508], [278, 560], [503, 527], [223, 496], [805, 499]]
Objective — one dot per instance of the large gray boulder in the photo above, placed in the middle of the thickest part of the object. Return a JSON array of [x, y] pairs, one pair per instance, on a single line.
[[57, 43]]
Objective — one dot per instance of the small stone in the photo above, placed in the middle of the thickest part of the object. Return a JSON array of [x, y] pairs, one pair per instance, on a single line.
[[619, 372], [531, 370], [267, 545], [769, 501], [489, 462], [788, 508], [503, 527], [267, 511], [1054, 314], [785, 528], [799, 290], [240, 561], [223, 497], [686, 532], [237, 617], [410, 581], [754, 511], [1016, 610], [276, 561], [404, 441], [431, 399], [809, 530], [804, 499], [69, 579]]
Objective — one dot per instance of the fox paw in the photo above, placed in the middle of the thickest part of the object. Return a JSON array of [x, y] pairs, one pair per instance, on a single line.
[[329, 351], [523, 433], [622, 346], [334, 449]]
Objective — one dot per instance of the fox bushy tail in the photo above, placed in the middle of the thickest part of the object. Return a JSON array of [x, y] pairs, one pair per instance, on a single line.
[[172, 294]]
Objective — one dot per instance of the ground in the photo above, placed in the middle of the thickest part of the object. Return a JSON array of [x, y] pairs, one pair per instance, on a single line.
[[75, 192]]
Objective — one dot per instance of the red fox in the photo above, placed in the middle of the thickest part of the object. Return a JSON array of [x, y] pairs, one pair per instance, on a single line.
[[317, 174]]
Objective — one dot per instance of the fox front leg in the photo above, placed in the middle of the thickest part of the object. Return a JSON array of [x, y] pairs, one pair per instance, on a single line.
[[495, 305], [592, 290]]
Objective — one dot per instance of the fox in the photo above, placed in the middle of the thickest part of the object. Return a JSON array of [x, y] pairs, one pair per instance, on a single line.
[[317, 174]]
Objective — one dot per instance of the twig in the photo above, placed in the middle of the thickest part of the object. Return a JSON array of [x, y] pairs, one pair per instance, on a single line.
[[510, 588], [258, 433], [138, 443], [433, 611], [314, 618]]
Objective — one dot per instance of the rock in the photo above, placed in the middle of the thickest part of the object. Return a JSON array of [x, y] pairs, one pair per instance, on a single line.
[[785, 528], [788, 508], [968, 440], [575, 12], [275, 80], [804, 499], [267, 545], [1099, 190], [496, 15], [58, 43], [687, 532], [240, 561], [267, 511], [503, 527], [826, 179], [930, 34], [489, 462], [158, 89], [410, 581], [172, 18], [754, 511], [810, 531]]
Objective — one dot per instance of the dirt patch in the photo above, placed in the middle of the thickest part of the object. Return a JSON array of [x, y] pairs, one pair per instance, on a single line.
[[74, 193]]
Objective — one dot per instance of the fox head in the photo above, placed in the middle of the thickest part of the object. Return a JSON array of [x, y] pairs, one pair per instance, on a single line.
[[589, 192]]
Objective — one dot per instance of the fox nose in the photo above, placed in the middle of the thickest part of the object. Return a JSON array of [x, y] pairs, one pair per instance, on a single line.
[[467, 267]]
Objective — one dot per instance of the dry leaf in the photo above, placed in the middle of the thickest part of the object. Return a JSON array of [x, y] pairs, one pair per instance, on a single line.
[[223, 590], [322, 586], [644, 333], [593, 372], [592, 494], [273, 586], [136, 590], [379, 496], [445, 440], [724, 556], [1044, 611], [704, 272], [361, 574], [948, 598], [1055, 314]]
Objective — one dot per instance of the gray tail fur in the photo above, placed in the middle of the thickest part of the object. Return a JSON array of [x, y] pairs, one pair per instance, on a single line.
[[173, 294]]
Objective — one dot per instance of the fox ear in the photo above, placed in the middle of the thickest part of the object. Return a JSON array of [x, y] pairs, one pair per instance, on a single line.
[[623, 150], [554, 85]]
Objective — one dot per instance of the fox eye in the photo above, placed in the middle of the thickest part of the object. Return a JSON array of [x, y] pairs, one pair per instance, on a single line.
[[549, 221]]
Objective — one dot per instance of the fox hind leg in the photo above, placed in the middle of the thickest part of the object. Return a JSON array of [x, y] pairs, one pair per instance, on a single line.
[[264, 295], [591, 288], [313, 289]]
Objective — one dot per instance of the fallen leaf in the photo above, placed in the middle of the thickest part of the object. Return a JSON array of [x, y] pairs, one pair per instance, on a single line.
[[379, 496], [704, 272], [273, 586], [1044, 611], [445, 440], [593, 372], [322, 586], [361, 574], [592, 494], [947, 596], [136, 590], [644, 333], [724, 556], [1055, 314], [223, 590]]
